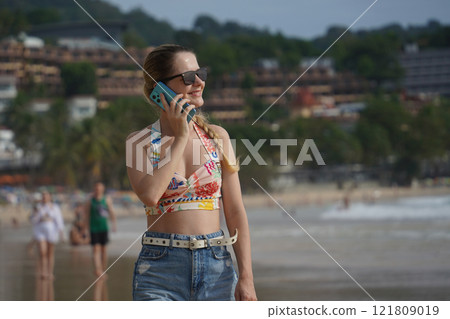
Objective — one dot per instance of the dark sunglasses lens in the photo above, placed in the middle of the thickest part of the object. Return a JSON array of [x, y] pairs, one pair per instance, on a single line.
[[202, 74], [189, 77]]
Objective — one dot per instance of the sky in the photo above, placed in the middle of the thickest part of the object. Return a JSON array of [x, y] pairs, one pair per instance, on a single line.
[[297, 18]]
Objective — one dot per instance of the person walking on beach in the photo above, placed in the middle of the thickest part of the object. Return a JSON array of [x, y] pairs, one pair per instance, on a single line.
[[78, 233], [98, 210], [184, 254], [48, 229]]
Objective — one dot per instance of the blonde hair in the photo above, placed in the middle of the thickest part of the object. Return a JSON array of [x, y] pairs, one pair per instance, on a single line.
[[158, 65]]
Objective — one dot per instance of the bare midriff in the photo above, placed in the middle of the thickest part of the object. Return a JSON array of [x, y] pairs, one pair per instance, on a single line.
[[188, 222]]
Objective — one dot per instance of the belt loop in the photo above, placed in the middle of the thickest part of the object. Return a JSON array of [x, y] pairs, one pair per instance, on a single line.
[[208, 242], [142, 238], [171, 241]]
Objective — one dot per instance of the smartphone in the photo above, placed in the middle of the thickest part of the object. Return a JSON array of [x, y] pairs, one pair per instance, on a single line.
[[169, 95]]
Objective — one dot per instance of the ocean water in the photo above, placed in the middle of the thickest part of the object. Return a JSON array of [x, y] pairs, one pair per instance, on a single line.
[[395, 250], [401, 209]]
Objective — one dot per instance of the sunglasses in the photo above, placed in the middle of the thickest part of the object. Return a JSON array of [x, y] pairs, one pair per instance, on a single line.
[[189, 76]]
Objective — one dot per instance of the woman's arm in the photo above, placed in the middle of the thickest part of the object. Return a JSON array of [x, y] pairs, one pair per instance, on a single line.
[[150, 188], [236, 218]]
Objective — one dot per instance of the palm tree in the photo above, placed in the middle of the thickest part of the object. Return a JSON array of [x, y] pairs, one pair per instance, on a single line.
[[59, 157]]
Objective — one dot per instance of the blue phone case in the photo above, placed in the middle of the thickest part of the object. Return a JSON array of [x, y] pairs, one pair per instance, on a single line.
[[169, 95]]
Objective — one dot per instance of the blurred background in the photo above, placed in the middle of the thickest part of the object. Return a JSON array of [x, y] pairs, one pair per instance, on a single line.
[[376, 105]]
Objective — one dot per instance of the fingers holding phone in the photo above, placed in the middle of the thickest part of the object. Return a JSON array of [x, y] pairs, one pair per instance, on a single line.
[[170, 95], [189, 114], [176, 115], [176, 106]]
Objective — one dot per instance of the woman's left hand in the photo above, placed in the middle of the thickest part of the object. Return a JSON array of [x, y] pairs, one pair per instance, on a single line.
[[245, 290]]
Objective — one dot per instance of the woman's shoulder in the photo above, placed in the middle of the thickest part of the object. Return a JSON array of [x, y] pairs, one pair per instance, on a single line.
[[220, 131]]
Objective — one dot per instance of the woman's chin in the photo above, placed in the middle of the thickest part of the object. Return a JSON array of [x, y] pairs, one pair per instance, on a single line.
[[197, 102]]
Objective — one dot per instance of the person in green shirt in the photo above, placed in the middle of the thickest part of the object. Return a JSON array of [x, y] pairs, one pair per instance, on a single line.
[[98, 210]]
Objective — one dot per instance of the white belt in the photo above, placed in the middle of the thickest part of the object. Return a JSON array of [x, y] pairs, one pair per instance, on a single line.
[[192, 244]]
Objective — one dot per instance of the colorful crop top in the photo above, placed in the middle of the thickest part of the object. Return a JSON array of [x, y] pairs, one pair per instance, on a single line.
[[200, 191]]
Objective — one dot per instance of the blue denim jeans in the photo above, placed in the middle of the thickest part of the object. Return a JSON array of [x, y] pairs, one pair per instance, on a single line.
[[171, 273]]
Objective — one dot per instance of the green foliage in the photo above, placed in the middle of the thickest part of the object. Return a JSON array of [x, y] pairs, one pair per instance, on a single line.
[[190, 39], [153, 31], [389, 119], [374, 56], [432, 129], [43, 16], [79, 78], [374, 140], [30, 13], [262, 174], [253, 135], [392, 117], [12, 22], [123, 116], [287, 51], [386, 130], [59, 156], [207, 26], [219, 57], [404, 170], [439, 38], [67, 10], [131, 38], [24, 123], [248, 82], [334, 144], [444, 111], [254, 107], [79, 153], [333, 32], [229, 46], [385, 136]]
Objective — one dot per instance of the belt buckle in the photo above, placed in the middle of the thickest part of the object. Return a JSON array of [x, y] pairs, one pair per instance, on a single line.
[[194, 243]]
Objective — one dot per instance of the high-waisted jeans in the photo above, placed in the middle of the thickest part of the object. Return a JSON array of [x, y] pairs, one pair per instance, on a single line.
[[171, 273]]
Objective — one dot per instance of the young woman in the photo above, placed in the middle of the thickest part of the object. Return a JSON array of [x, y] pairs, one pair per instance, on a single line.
[[48, 228], [184, 254]]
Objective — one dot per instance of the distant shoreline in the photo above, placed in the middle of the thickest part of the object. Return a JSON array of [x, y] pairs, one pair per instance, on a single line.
[[300, 195], [316, 195]]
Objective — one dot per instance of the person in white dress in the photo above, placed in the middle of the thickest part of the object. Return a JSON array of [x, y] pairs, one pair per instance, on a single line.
[[48, 229]]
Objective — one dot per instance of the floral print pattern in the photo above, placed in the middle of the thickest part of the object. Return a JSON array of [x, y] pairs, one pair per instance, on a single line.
[[200, 191]]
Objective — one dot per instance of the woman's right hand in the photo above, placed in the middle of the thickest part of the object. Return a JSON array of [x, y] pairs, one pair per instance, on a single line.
[[177, 118]]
